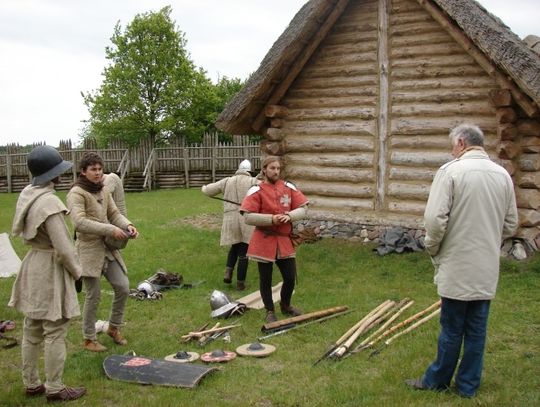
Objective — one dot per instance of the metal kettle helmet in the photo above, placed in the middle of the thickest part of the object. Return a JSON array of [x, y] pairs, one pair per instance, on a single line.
[[45, 164], [218, 299]]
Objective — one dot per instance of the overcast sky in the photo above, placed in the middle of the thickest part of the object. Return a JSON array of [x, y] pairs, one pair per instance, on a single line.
[[51, 50]]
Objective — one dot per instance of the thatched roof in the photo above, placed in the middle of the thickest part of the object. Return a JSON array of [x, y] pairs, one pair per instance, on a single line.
[[505, 49]]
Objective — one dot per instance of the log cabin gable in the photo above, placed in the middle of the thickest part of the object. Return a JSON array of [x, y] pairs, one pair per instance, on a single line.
[[362, 112]]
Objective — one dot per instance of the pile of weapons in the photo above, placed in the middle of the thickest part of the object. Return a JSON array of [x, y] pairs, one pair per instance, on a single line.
[[204, 336], [384, 314]]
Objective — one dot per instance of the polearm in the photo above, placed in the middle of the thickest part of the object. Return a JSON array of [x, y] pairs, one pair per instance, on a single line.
[[346, 335], [413, 326], [366, 343], [274, 326], [296, 326], [225, 200]]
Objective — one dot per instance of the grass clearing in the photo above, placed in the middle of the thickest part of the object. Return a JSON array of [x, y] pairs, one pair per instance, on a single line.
[[180, 233]]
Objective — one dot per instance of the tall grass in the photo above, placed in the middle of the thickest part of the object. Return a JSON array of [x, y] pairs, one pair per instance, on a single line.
[[176, 235]]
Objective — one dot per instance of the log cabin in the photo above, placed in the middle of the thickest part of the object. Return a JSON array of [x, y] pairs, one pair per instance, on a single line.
[[358, 98]]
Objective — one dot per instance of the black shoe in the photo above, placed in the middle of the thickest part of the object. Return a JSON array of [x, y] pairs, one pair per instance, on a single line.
[[35, 391], [270, 317]]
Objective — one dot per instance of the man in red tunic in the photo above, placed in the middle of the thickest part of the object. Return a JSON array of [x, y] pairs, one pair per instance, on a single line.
[[271, 207]]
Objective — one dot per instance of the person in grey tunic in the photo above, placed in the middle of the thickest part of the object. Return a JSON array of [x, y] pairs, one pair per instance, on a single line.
[[44, 290], [234, 231]]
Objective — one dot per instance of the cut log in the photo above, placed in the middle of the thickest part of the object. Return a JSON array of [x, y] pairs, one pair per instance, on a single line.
[[276, 111], [341, 189], [327, 144], [352, 175], [277, 123], [529, 217], [416, 208], [529, 180], [529, 162], [420, 159], [500, 97], [443, 109], [404, 190], [507, 131], [530, 234], [528, 198], [508, 165], [272, 148], [412, 174], [275, 134], [529, 127], [340, 204], [352, 160], [506, 115], [508, 150]]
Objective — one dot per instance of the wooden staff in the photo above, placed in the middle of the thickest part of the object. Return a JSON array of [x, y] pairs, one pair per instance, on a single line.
[[203, 338], [344, 337], [405, 304], [413, 326], [272, 326], [192, 335], [200, 329], [361, 329], [407, 321]]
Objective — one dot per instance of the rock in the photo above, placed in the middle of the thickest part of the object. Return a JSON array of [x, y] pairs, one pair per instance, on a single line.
[[518, 251]]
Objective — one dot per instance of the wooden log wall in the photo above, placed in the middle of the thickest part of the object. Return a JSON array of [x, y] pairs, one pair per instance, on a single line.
[[364, 127], [329, 129], [435, 85]]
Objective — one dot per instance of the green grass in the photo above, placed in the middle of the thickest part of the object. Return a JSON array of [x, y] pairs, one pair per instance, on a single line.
[[331, 273]]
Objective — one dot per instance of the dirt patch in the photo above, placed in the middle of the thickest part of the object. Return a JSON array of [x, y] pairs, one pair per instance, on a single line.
[[207, 221]]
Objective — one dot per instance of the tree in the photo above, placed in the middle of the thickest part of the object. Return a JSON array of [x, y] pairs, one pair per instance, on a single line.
[[149, 85]]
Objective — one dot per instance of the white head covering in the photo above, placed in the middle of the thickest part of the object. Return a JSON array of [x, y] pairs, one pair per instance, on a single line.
[[245, 165]]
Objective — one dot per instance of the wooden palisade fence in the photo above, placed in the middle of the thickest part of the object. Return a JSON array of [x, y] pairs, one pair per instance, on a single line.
[[144, 167]]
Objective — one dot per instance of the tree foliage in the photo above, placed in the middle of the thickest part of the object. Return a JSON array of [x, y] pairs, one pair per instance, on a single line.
[[151, 88]]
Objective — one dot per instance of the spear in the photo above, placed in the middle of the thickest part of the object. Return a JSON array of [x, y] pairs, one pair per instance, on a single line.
[[366, 343], [192, 335], [344, 337]]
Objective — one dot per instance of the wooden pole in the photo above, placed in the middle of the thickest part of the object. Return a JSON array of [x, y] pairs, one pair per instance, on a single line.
[[302, 318], [413, 326]]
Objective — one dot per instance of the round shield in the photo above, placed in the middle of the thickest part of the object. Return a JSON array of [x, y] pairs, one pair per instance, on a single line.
[[182, 357], [218, 356], [259, 350]]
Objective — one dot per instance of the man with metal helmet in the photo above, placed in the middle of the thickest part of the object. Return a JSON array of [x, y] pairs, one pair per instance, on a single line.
[[96, 217], [234, 231], [44, 290]]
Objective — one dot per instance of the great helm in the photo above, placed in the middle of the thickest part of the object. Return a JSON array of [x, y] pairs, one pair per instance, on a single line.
[[45, 163], [244, 166], [218, 299]]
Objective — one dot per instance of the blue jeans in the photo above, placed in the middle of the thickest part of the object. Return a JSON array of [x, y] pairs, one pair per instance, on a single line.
[[461, 322]]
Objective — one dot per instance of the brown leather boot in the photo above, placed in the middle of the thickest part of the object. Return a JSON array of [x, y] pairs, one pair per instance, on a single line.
[[35, 391], [240, 285], [227, 277], [67, 394], [93, 346], [270, 317], [290, 310], [114, 332]]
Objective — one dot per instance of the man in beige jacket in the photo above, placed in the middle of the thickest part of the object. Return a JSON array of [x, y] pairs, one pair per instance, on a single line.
[[96, 217], [44, 290], [471, 209], [234, 231]]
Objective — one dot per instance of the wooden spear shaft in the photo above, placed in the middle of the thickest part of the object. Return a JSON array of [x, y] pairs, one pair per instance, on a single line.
[[361, 329], [413, 326], [344, 337], [437, 304], [208, 331], [203, 338], [302, 318], [400, 311]]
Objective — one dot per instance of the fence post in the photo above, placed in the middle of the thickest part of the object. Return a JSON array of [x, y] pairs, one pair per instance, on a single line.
[[185, 153], [214, 151], [8, 171], [74, 166]]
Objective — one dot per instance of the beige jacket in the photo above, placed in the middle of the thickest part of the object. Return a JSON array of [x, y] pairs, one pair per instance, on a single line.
[[234, 229], [470, 210], [44, 287], [94, 217]]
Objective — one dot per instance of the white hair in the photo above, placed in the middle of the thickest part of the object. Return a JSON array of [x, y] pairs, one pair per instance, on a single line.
[[469, 133]]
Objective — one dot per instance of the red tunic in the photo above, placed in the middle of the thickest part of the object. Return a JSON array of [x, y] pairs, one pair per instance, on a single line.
[[269, 243]]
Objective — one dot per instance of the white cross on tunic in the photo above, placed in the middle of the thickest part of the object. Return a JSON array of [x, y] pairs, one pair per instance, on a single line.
[[285, 200]]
